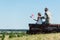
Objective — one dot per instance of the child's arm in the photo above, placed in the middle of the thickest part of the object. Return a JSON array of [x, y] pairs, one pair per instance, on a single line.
[[35, 19]]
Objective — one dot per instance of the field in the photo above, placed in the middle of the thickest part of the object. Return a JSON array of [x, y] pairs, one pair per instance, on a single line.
[[50, 36]]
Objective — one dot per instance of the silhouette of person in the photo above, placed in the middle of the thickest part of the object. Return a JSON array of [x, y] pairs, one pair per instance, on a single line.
[[39, 19], [47, 16]]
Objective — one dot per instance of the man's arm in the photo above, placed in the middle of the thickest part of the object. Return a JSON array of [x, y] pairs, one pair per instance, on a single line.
[[42, 17]]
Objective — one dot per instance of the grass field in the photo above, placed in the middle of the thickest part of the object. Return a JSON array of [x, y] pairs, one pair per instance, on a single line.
[[50, 36]]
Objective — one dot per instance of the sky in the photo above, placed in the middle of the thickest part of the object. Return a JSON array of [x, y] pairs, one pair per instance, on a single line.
[[15, 14]]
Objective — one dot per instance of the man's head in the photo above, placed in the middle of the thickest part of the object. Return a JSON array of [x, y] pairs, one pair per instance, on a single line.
[[46, 9]]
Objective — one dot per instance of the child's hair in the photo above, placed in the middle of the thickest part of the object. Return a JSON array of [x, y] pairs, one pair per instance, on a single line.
[[39, 14]]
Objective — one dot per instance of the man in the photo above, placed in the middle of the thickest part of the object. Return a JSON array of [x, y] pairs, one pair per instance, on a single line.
[[47, 16]]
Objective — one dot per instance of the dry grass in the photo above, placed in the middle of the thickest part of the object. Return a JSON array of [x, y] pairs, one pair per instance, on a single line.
[[52, 36]]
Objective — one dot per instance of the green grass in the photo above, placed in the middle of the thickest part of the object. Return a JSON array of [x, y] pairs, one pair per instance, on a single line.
[[51, 36], [23, 36]]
